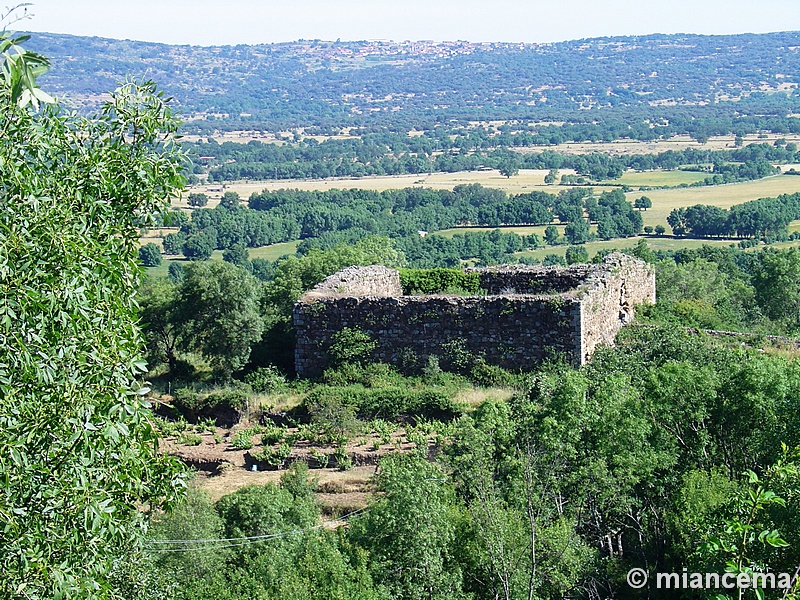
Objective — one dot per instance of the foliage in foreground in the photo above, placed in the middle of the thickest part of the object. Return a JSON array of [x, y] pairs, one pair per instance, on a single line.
[[78, 456]]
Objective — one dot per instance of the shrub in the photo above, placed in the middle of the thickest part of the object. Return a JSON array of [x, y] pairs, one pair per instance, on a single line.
[[186, 400], [456, 357], [576, 255], [235, 398], [420, 441], [189, 438], [321, 458], [351, 346], [432, 370], [297, 482], [343, 460], [175, 272], [335, 413], [272, 435], [243, 439], [222, 405], [274, 457], [554, 260], [369, 375], [167, 428], [438, 281], [384, 403], [265, 379], [384, 429], [487, 375]]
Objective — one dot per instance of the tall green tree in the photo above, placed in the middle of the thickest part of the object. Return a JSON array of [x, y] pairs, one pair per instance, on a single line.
[[410, 531], [777, 283], [198, 200], [219, 314], [78, 459], [150, 255]]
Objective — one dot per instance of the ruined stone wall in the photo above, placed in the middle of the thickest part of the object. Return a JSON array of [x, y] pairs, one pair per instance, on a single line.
[[510, 331], [375, 280], [611, 297], [515, 327], [525, 279]]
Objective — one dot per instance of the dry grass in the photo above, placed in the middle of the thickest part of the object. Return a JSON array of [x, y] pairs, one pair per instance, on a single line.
[[655, 243], [660, 178], [527, 180], [354, 484], [680, 142], [475, 396], [279, 401]]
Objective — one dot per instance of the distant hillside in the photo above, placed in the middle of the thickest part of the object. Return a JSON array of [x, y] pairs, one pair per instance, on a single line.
[[401, 85]]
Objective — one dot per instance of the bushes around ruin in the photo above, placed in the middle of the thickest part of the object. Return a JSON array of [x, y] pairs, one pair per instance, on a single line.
[[421, 282]]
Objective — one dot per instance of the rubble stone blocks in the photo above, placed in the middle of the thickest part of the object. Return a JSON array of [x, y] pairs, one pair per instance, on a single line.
[[528, 314]]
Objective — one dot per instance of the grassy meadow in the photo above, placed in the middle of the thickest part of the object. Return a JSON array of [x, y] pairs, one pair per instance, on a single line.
[[654, 242], [272, 253], [724, 196]]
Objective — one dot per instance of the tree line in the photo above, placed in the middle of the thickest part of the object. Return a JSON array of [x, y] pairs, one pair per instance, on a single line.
[[762, 218], [334, 215], [443, 150]]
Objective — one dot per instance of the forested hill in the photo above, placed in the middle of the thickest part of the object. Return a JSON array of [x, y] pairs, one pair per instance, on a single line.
[[402, 85]]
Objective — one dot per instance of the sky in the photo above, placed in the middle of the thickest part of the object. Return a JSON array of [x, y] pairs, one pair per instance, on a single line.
[[221, 22]]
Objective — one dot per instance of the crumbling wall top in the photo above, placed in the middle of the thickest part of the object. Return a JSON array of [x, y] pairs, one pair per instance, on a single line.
[[501, 280], [375, 280]]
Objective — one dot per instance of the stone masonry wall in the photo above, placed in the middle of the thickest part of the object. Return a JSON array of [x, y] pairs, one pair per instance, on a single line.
[[375, 280], [612, 295], [525, 279], [513, 327]]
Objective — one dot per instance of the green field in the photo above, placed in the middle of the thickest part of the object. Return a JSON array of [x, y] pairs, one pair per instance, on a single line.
[[272, 253], [723, 196], [654, 242]]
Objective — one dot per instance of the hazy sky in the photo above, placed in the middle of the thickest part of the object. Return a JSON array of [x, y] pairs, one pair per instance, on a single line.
[[210, 22]]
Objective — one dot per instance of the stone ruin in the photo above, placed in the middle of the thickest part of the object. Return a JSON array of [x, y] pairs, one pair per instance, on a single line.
[[528, 313]]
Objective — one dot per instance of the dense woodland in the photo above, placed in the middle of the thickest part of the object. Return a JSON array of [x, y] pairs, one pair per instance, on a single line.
[[325, 219], [673, 449]]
